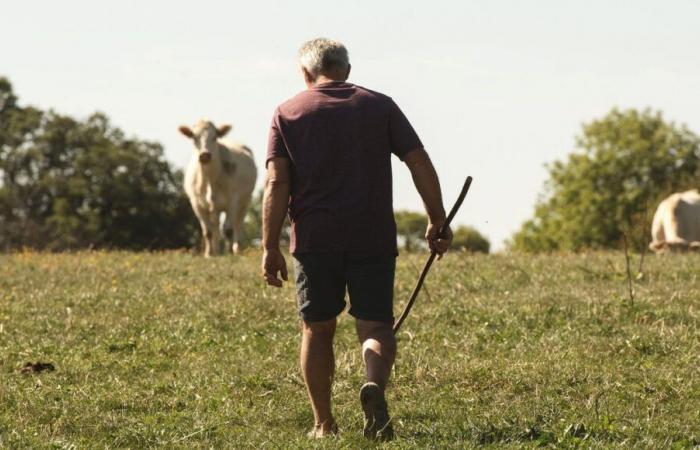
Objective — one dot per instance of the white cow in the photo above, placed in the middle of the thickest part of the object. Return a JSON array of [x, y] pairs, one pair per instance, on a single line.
[[219, 179], [676, 224]]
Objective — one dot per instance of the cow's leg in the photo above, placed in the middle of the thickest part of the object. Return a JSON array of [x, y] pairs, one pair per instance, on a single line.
[[671, 227], [212, 236], [241, 210], [658, 237], [206, 225], [228, 225], [658, 247], [216, 233]]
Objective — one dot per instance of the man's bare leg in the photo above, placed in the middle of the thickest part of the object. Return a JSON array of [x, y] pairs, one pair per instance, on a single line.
[[378, 353], [318, 367], [378, 350]]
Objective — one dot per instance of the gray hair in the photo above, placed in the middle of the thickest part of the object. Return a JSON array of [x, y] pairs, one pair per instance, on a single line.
[[320, 55]]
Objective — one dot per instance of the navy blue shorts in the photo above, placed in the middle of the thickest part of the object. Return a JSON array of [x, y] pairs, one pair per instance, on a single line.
[[322, 278]]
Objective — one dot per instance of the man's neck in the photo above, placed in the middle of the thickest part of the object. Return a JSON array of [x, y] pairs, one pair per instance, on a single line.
[[322, 79]]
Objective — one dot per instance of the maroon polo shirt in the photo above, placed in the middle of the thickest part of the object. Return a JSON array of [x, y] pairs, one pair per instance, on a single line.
[[339, 138]]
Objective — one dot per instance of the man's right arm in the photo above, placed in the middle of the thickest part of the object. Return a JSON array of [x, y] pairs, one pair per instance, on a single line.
[[428, 185], [275, 204]]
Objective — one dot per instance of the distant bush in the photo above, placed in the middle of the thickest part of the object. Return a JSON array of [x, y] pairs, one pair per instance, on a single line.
[[67, 184], [252, 227], [411, 227], [469, 239]]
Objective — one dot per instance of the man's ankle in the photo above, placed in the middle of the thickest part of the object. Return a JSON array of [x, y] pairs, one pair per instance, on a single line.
[[325, 425], [325, 428]]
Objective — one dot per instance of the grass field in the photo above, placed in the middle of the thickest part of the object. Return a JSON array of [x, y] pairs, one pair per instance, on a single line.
[[172, 350]]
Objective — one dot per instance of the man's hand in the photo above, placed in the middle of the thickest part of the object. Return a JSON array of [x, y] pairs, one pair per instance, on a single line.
[[273, 263], [438, 244]]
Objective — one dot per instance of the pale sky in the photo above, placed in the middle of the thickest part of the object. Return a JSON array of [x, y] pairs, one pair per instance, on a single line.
[[495, 89]]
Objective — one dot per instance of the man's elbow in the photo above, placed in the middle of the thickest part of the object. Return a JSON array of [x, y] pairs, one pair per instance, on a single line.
[[276, 184], [417, 159], [273, 181]]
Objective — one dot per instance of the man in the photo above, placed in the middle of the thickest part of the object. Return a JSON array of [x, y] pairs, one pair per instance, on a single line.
[[328, 167]]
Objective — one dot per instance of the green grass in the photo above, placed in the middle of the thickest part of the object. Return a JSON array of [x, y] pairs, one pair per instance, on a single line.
[[172, 350]]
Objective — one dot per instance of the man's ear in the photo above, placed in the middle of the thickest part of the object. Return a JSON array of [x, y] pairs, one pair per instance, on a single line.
[[308, 78], [223, 129], [184, 129]]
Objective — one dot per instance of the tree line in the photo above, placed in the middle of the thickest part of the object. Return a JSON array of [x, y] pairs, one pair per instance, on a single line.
[[67, 184], [71, 184], [410, 227]]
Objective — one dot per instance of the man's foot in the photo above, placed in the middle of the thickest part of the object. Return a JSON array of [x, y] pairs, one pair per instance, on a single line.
[[323, 430], [377, 421]]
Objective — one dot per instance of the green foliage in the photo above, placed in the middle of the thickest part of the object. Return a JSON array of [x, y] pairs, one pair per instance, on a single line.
[[252, 227], [469, 239], [410, 227], [170, 350], [253, 223], [70, 184], [628, 161]]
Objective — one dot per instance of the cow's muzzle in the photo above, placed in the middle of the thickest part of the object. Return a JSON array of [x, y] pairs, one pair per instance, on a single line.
[[204, 158]]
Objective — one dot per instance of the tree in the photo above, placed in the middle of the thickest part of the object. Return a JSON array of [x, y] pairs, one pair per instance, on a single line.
[[627, 162], [71, 184], [252, 227], [253, 223], [469, 239], [410, 226]]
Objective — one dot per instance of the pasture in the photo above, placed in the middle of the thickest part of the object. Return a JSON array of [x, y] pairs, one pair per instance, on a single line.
[[505, 351]]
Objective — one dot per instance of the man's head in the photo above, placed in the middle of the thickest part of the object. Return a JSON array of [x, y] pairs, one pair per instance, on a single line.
[[324, 59]]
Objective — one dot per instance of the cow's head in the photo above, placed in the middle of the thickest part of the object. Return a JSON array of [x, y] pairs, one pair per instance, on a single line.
[[204, 135]]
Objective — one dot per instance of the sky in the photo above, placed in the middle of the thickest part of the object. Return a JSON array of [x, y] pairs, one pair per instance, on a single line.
[[495, 89]]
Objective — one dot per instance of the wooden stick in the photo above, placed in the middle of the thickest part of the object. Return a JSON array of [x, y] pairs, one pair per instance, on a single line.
[[433, 254]]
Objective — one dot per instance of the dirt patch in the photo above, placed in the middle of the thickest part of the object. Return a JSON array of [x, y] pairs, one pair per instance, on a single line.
[[36, 367]]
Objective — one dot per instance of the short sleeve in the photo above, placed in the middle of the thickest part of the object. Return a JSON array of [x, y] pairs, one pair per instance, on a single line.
[[276, 148], [402, 136]]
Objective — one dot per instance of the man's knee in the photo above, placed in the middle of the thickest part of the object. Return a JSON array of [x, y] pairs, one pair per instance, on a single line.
[[368, 329], [324, 327], [378, 342]]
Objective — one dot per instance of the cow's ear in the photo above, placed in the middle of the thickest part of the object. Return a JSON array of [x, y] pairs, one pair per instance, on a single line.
[[184, 129], [223, 129]]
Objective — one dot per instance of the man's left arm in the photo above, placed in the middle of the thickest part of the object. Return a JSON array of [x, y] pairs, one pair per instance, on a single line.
[[427, 183], [406, 145], [275, 205]]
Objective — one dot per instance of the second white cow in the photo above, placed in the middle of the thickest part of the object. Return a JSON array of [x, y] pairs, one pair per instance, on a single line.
[[676, 224], [220, 178]]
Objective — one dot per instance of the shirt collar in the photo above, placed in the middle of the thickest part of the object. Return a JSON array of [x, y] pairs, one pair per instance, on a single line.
[[332, 84]]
